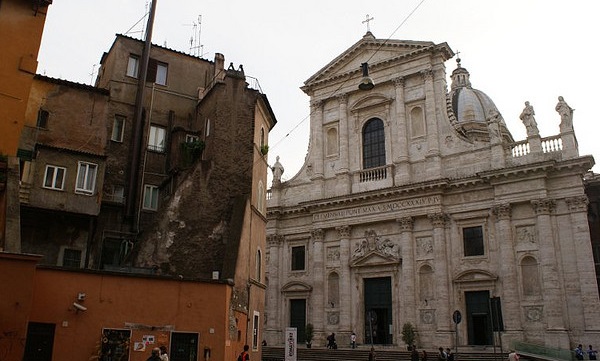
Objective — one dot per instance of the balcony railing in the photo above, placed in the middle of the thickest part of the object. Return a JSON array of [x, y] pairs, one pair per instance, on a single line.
[[373, 174]]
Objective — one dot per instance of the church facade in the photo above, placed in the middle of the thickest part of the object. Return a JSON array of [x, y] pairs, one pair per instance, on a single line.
[[416, 205]]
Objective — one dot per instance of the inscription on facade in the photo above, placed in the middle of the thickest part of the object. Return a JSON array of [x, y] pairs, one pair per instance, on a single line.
[[378, 208]]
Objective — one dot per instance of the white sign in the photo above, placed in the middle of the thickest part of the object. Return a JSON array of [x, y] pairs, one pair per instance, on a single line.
[[291, 344]]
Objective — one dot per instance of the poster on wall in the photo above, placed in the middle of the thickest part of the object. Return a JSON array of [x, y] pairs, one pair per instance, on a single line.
[[139, 346], [148, 339], [291, 344]]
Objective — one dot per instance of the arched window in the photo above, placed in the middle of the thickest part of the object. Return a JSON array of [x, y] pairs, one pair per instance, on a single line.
[[373, 144], [530, 277], [262, 137], [333, 288], [425, 283], [332, 141], [260, 203], [258, 265]]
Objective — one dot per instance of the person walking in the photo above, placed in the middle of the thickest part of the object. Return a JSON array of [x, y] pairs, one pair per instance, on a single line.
[[424, 356], [442, 355], [155, 356], [414, 355], [592, 354], [579, 352], [164, 355], [353, 340], [372, 355], [513, 356], [244, 356]]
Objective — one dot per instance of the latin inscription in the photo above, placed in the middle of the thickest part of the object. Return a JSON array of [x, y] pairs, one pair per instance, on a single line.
[[378, 208]]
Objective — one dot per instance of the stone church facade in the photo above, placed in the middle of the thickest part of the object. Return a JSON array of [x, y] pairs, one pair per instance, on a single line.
[[415, 202]]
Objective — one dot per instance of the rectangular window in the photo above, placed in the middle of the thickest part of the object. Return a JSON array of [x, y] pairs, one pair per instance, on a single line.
[[298, 258], [54, 177], [156, 142], [42, 119], [157, 72], [86, 178], [118, 127], [133, 66], [71, 258], [473, 241], [150, 197]]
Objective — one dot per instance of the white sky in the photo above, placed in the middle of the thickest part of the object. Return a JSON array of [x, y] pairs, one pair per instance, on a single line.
[[515, 50]]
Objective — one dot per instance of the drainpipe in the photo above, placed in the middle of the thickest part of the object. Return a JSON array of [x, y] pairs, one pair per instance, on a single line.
[[139, 125]]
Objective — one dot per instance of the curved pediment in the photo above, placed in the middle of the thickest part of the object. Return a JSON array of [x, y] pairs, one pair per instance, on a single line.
[[475, 276], [296, 286]]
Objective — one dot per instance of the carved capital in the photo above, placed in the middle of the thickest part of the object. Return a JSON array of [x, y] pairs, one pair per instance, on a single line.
[[438, 220], [427, 74], [406, 224], [399, 82], [577, 204], [316, 105], [344, 231], [502, 211], [343, 98], [317, 234], [274, 240], [543, 206]]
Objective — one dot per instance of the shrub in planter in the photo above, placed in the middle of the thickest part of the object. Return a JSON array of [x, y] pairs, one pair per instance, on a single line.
[[409, 334], [309, 333]]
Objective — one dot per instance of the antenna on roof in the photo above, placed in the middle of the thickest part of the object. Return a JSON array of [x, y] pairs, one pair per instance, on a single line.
[[195, 45]]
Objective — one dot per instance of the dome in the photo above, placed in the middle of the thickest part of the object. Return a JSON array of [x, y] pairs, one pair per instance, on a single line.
[[471, 107]]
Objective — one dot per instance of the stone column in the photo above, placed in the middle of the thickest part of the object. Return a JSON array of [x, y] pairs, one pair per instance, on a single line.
[[507, 268], [550, 278], [343, 132], [433, 142], [316, 267], [407, 247], [274, 304], [442, 297], [345, 281], [585, 262], [317, 138], [400, 156]]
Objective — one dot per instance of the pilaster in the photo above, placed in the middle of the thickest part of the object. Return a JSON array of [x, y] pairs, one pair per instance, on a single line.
[[442, 298], [407, 246], [345, 280], [316, 267]]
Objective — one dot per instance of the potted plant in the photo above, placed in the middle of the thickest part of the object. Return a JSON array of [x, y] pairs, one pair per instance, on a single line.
[[309, 334], [409, 335]]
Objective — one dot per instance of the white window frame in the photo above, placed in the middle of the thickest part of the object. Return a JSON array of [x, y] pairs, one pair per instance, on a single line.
[[118, 129], [190, 138], [133, 66], [54, 181], [162, 70], [85, 182], [150, 200], [157, 138]]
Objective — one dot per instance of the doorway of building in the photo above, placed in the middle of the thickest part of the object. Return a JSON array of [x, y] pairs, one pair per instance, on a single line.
[[479, 321], [184, 346], [378, 310], [40, 340], [298, 318]]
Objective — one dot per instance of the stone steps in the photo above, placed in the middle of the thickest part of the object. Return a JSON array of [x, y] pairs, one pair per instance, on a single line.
[[275, 353]]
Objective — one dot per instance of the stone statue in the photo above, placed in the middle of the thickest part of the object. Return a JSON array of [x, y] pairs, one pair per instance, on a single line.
[[494, 121], [527, 116], [566, 114], [277, 169]]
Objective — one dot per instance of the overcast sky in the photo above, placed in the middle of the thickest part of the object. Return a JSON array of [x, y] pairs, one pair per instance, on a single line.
[[515, 50]]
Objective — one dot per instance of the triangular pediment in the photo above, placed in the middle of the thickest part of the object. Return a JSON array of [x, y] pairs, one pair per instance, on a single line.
[[374, 258], [296, 286], [377, 52]]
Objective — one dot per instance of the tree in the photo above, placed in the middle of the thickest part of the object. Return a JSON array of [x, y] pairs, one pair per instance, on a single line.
[[409, 334], [309, 334]]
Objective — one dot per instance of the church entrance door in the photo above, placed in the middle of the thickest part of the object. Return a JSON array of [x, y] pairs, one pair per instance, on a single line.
[[378, 310], [479, 320], [298, 318]]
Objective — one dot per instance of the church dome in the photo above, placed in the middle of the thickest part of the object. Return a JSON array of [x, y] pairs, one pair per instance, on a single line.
[[472, 108]]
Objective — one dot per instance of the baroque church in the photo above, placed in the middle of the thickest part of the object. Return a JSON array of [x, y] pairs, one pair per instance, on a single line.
[[416, 205]]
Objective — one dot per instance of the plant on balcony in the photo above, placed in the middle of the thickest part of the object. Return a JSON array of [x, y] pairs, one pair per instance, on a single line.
[[191, 151], [264, 149]]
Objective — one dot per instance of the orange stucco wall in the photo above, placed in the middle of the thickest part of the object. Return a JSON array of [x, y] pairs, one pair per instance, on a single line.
[[21, 27], [146, 305]]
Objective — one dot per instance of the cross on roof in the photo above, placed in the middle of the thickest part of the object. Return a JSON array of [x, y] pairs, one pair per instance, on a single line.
[[367, 21]]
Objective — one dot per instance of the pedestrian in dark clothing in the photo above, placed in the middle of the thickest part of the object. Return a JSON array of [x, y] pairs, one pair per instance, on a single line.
[[414, 355], [155, 356], [372, 354], [424, 357], [592, 354]]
